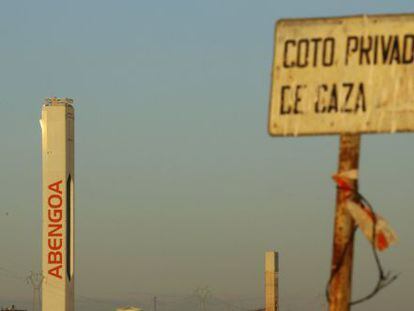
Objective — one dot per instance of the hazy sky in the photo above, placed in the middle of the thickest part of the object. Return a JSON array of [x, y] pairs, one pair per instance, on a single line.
[[178, 184]]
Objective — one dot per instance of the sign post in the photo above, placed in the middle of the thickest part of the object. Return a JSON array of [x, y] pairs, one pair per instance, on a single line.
[[343, 245], [346, 76]]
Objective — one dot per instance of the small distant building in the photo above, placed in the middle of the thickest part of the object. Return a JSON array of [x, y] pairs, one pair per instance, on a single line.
[[12, 308], [129, 309]]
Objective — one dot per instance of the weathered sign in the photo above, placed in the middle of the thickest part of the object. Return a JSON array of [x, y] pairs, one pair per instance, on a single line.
[[343, 75]]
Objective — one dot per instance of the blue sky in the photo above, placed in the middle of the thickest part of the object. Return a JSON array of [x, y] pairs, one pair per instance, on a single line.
[[178, 183]]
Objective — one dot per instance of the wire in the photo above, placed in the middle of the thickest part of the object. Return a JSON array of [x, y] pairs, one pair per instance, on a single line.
[[384, 279]]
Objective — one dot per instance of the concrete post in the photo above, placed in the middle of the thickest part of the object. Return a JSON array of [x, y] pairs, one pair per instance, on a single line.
[[272, 281]]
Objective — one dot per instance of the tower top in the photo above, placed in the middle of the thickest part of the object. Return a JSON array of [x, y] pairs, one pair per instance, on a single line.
[[52, 101]]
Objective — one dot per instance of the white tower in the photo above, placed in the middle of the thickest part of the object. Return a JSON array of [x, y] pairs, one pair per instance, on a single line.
[[57, 125]]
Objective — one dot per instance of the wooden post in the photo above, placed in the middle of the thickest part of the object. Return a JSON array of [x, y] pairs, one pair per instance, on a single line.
[[343, 245], [271, 279]]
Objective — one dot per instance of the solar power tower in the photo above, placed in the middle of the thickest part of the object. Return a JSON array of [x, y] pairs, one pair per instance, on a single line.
[[57, 125]]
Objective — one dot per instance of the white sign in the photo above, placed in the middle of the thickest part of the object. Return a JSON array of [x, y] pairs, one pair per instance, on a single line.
[[343, 75]]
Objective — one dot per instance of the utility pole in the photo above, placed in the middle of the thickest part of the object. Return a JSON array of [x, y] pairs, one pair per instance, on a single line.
[[271, 281], [155, 303], [36, 280], [203, 294], [343, 244]]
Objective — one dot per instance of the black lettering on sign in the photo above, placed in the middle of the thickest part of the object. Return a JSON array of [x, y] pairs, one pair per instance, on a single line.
[[365, 49], [328, 52], [315, 42], [380, 49], [340, 98], [303, 53], [395, 54], [298, 99], [376, 50], [290, 99], [286, 62], [333, 103], [408, 49], [351, 47], [348, 88], [386, 48], [360, 100], [307, 52], [283, 108], [319, 104]]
